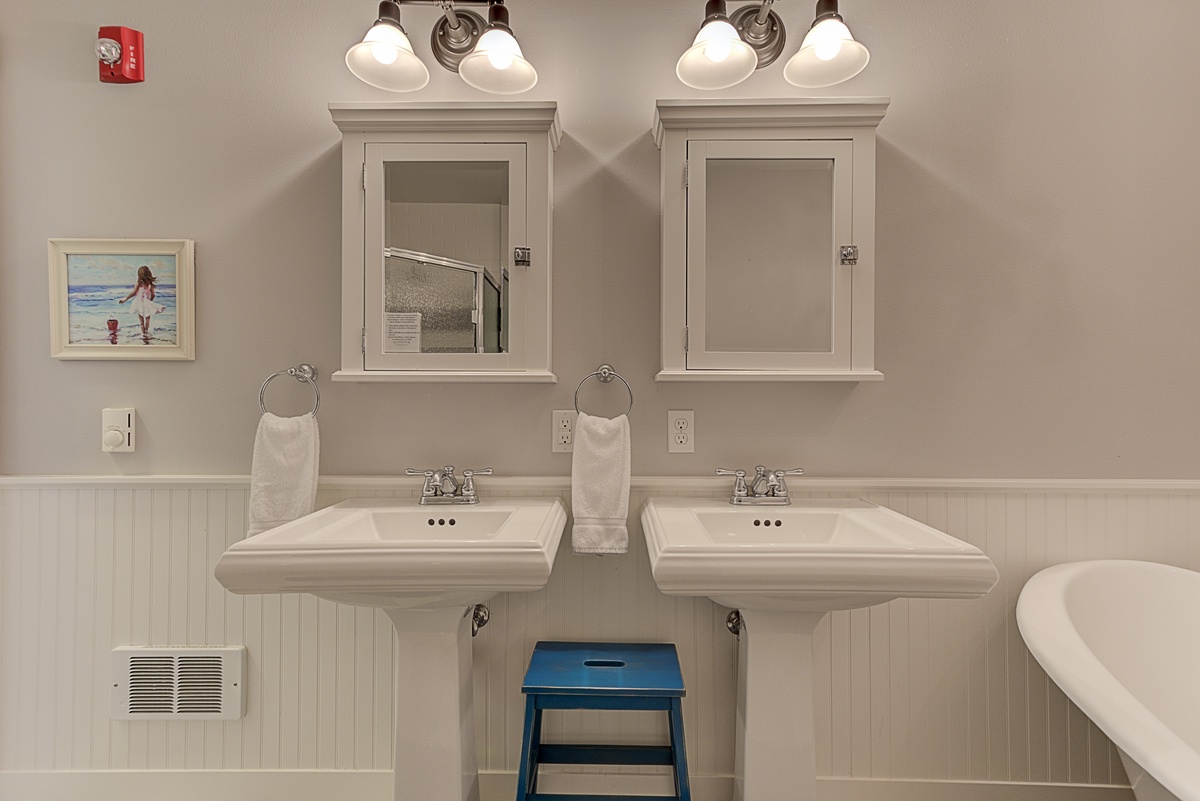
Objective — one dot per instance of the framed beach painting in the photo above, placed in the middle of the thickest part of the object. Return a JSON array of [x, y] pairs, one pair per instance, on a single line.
[[122, 299]]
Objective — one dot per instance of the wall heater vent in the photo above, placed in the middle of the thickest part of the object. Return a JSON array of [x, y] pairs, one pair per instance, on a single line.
[[183, 683]]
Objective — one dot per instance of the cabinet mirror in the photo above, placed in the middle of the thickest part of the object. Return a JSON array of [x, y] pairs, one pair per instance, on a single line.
[[445, 278]]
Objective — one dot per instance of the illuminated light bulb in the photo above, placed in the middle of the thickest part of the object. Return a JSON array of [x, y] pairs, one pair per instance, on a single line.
[[719, 38], [718, 50], [717, 59], [828, 50], [497, 65], [385, 59], [385, 42], [828, 56], [500, 46], [385, 54], [828, 37]]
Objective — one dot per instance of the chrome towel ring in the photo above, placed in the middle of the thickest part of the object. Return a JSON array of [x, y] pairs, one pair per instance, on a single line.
[[301, 372], [606, 374]]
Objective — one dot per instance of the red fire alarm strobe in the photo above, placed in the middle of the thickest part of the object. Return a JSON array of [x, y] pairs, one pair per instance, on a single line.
[[120, 51]]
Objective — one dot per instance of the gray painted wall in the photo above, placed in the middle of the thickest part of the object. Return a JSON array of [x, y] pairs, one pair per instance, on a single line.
[[1037, 207]]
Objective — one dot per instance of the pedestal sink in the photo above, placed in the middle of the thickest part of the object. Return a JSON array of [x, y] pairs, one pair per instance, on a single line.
[[426, 567], [784, 568]]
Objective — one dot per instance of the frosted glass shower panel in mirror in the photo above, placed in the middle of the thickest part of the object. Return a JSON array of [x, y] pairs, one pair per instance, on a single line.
[[768, 270], [765, 287], [445, 239], [436, 305]]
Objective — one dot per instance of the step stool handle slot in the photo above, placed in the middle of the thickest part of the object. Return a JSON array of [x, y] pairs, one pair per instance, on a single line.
[[608, 663]]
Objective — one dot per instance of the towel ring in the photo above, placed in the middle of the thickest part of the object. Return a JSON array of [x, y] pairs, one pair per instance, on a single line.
[[301, 372], [605, 373]]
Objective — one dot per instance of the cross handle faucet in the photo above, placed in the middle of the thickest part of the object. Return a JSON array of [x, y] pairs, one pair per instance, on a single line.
[[441, 486], [768, 487]]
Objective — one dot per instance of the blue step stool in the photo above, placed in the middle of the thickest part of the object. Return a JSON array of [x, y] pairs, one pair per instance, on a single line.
[[590, 675]]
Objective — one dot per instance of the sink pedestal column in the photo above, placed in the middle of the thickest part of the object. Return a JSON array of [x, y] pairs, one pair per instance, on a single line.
[[776, 748], [435, 710]]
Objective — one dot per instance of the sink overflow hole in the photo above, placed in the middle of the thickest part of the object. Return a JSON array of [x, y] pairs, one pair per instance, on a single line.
[[603, 663], [758, 522], [441, 521]]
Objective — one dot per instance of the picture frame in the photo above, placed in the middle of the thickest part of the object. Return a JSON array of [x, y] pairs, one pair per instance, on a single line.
[[128, 299]]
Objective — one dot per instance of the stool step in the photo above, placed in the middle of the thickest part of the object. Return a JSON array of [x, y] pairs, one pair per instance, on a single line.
[[558, 754], [604, 669], [589, 797]]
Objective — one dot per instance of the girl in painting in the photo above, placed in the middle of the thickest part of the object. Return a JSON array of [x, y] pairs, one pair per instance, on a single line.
[[143, 299]]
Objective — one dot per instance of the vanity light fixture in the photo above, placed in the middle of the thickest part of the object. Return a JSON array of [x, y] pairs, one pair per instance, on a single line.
[[385, 58], [486, 55], [718, 58], [728, 49], [829, 54], [497, 64]]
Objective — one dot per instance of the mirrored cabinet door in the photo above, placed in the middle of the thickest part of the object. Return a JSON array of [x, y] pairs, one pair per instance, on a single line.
[[768, 239], [765, 288], [446, 262]]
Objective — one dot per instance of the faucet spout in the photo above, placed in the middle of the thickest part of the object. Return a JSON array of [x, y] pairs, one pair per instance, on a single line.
[[448, 484]]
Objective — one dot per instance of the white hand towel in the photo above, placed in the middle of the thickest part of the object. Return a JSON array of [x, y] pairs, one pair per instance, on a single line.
[[600, 484], [283, 475]]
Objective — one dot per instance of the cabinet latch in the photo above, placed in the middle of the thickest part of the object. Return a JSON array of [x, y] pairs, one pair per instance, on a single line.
[[850, 254], [522, 256]]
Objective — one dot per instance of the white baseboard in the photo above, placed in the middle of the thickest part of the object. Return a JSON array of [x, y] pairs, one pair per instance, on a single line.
[[376, 785]]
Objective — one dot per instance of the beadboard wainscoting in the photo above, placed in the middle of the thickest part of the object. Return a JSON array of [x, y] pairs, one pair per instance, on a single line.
[[915, 694]]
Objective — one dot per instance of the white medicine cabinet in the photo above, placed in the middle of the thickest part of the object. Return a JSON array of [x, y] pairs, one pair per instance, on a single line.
[[768, 239], [446, 214]]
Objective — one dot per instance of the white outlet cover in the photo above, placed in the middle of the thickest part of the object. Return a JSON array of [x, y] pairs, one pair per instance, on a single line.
[[681, 431], [562, 422]]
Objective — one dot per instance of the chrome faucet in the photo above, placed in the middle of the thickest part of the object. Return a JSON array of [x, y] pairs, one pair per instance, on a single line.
[[442, 488], [767, 488]]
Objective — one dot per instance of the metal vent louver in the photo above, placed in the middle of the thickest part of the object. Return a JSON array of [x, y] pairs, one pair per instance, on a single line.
[[189, 683]]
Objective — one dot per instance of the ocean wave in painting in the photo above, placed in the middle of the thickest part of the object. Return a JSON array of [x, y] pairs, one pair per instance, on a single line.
[[89, 309]]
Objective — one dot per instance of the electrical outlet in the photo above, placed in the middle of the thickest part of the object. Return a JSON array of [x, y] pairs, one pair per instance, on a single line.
[[681, 431], [562, 430]]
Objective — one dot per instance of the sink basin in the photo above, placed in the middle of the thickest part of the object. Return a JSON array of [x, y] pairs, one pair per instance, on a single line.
[[426, 567], [397, 555], [815, 555], [784, 568]]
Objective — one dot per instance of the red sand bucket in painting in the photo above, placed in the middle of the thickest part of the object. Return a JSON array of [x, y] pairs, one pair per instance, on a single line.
[[113, 325]]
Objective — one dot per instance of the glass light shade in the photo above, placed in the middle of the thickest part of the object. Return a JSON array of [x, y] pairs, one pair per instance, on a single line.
[[828, 55], [385, 59], [717, 59], [497, 65]]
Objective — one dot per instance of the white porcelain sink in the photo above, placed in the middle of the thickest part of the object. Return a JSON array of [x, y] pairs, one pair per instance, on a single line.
[[784, 568], [398, 555], [426, 567], [814, 555]]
